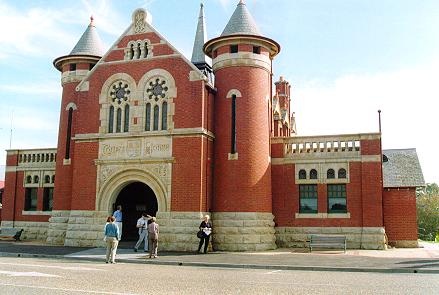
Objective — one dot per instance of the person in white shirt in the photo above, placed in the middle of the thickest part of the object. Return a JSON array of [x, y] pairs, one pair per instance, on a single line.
[[142, 224]]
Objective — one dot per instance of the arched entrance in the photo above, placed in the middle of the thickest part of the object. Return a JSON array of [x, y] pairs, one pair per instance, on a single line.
[[135, 199]]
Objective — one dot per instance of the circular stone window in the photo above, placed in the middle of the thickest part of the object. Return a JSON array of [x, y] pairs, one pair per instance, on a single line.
[[157, 89], [119, 92]]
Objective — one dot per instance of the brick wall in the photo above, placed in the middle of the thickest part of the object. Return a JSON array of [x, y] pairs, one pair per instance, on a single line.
[[400, 219]]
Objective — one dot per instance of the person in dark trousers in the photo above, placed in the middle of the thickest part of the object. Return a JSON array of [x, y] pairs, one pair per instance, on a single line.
[[206, 228]]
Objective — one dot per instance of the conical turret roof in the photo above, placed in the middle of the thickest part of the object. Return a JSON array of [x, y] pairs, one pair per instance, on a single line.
[[89, 43], [241, 22], [198, 55]]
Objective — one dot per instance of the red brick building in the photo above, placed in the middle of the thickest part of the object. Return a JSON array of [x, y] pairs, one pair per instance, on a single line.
[[143, 127]]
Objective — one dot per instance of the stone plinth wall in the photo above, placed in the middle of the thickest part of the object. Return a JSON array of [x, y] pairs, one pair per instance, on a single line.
[[86, 228], [57, 227], [372, 238], [243, 231], [36, 231]]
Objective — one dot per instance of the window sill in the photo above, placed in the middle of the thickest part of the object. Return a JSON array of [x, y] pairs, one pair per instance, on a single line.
[[36, 212], [322, 215]]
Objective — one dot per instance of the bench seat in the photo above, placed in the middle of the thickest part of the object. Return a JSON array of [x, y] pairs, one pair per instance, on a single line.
[[327, 241]]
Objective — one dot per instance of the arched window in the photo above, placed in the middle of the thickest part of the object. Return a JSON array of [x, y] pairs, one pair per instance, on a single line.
[[164, 116], [330, 174], [148, 117], [126, 124], [111, 120], [53, 178], [29, 179], [313, 174], [36, 179], [342, 173], [156, 118], [302, 174], [119, 120], [47, 179]]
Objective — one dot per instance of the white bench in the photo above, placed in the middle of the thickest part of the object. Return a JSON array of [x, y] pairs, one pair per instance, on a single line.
[[327, 241]]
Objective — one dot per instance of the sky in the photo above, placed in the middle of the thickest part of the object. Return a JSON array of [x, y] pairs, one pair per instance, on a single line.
[[345, 60]]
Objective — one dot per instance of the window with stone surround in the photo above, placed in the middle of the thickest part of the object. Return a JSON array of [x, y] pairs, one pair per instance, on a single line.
[[139, 49], [302, 174], [337, 198], [30, 199], [342, 173], [119, 110], [313, 174], [330, 174], [308, 198], [156, 107]]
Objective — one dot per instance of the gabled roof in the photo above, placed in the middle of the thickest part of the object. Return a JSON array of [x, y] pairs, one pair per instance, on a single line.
[[401, 168], [198, 56], [241, 22], [89, 43]]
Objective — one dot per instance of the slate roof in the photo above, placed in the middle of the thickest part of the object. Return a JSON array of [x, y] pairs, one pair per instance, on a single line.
[[198, 56], [401, 168], [241, 22], [89, 43]]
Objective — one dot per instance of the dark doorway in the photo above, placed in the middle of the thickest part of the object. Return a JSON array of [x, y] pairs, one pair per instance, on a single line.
[[135, 199]]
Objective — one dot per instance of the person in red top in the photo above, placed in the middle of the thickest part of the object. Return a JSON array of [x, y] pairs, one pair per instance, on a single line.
[[206, 228]]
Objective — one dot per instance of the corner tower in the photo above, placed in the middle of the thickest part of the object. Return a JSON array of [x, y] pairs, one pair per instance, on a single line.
[[73, 67], [242, 62]]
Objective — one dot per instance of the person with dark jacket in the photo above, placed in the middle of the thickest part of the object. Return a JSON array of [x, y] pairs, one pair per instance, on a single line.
[[206, 228]]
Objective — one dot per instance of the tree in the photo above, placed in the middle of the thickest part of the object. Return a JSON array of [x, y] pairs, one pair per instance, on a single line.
[[427, 202]]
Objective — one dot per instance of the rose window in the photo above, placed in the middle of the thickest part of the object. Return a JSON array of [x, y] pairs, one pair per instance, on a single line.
[[157, 89], [120, 92]]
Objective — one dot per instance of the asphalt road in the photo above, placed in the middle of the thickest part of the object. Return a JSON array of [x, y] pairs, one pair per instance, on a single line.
[[49, 276]]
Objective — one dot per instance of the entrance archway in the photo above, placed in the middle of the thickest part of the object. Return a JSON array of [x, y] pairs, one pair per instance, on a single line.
[[135, 199]]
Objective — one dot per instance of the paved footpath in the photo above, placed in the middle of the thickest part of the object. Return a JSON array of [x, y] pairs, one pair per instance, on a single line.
[[418, 260]]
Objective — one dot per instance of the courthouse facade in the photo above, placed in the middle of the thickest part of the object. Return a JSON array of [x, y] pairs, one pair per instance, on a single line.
[[143, 127]]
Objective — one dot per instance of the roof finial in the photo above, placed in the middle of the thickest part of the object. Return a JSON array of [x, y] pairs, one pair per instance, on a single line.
[[91, 20], [241, 2]]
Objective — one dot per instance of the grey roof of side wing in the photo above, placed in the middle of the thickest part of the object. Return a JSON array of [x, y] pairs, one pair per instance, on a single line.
[[241, 22], [198, 55], [402, 169], [89, 43]]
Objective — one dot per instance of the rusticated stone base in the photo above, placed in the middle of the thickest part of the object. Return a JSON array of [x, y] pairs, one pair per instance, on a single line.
[[404, 244], [178, 230], [32, 230], [57, 227], [372, 238], [86, 228], [243, 231]]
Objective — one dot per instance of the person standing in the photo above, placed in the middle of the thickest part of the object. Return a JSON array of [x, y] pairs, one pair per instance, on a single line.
[[118, 216], [142, 224], [153, 236], [112, 235], [206, 228]]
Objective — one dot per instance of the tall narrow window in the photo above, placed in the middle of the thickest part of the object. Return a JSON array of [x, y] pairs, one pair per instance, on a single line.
[[118, 120], [69, 133], [337, 198], [233, 146], [313, 174], [308, 198], [127, 119], [164, 116], [148, 117], [30, 199], [111, 120], [156, 118], [48, 199]]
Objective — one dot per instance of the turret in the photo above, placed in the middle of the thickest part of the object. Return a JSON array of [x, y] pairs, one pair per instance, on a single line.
[[242, 60], [73, 67]]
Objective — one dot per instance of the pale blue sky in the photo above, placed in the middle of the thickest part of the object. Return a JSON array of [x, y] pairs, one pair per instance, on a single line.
[[344, 58]]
